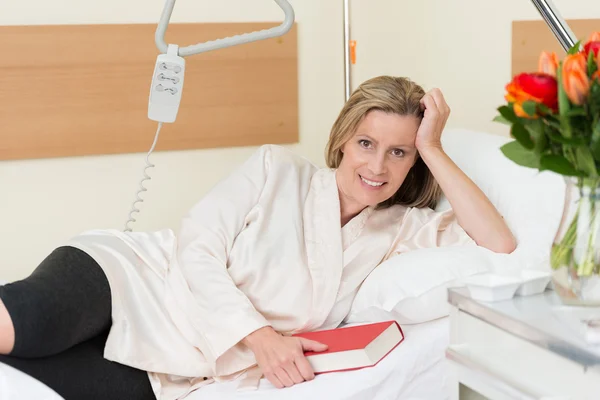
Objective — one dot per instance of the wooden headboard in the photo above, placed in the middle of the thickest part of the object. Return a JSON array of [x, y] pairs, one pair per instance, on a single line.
[[73, 90], [530, 38]]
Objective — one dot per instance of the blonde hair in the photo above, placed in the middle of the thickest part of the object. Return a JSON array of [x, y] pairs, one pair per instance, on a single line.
[[395, 95]]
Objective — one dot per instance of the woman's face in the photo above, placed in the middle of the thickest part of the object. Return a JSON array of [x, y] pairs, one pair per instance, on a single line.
[[377, 159]]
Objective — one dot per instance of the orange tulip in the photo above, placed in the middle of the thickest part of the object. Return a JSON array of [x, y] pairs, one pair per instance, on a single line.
[[575, 79], [548, 63], [594, 37]]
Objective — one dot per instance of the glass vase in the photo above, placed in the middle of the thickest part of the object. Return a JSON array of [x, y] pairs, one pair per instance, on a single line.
[[575, 256]]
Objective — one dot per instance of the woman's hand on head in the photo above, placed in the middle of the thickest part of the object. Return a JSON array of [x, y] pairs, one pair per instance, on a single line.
[[281, 358], [436, 113]]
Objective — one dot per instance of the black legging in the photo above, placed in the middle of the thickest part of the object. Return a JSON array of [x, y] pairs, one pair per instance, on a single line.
[[62, 315]]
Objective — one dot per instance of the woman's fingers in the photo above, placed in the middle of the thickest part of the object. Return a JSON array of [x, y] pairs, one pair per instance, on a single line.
[[283, 377], [305, 368], [293, 373], [441, 104], [274, 380]]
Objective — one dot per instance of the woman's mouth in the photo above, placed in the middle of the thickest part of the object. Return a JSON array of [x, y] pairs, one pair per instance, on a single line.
[[371, 183]]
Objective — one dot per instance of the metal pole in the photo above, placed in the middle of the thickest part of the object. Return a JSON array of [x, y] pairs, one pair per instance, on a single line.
[[347, 76], [556, 23]]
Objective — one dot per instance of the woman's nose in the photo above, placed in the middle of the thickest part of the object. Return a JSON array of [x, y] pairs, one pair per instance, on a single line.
[[377, 164]]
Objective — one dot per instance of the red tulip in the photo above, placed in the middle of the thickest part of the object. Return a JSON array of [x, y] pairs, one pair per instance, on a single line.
[[538, 87], [548, 63], [593, 44], [575, 79]]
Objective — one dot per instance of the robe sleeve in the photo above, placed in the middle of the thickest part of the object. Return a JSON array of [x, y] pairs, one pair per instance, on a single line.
[[206, 237], [426, 228]]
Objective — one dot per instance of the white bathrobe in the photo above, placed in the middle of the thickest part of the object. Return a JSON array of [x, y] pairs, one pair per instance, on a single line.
[[263, 247]]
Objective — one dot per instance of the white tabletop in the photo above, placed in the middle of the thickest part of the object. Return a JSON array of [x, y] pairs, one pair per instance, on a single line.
[[538, 319]]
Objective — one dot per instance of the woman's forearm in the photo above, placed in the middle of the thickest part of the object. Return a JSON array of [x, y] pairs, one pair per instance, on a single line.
[[474, 211]]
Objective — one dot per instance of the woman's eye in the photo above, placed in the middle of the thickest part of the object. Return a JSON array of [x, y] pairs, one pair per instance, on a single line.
[[398, 152], [365, 143]]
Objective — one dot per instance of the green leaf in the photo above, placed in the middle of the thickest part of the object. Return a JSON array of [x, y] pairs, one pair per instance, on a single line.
[[594, 99], [564, 106], [595, 140], [544, 109], [558, 164], [536, 128], [585, 161], [575, 48], [502, 120], [591, 63], [541, 144], [576, 112], [520, 155], [529, 107], [555, 137], [519, 132], [555, 123], [508, 113]]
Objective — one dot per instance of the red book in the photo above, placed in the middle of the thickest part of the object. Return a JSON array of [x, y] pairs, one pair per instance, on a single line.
[[353, 347]]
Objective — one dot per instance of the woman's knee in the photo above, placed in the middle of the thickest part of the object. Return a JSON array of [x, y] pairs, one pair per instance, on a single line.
[[65, 301], [7, 330]]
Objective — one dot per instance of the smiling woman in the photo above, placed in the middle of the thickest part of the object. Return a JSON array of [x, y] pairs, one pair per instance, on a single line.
[[386, 147], [372, 145]]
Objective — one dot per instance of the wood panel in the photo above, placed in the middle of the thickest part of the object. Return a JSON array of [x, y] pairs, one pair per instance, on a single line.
[[530, 38], [73, 90]]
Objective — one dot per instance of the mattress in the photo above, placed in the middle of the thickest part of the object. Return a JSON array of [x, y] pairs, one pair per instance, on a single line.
[[416, 369]]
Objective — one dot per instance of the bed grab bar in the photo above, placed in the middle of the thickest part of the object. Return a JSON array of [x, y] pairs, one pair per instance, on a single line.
[[347, 67], [556, 23], [225, 42]]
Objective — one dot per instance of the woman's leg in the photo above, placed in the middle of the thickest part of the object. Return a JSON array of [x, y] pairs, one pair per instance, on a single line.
[[61, 315], [82, 372], [65, 301], [7, 331]]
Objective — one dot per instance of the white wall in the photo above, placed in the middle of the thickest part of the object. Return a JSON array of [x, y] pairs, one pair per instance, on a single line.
[[461, 46], [44, 202]]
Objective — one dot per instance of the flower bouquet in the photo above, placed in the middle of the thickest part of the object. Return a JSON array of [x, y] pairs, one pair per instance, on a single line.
[[554, 117]]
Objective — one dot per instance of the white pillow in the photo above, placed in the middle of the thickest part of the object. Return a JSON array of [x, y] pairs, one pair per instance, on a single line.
[[530, 201], [412, 287]]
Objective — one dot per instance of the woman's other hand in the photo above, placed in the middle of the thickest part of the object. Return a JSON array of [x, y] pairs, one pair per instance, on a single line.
[[281, 358], [436, 113]]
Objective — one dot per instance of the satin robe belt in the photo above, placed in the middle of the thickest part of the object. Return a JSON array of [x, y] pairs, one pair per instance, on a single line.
[[251, 380]]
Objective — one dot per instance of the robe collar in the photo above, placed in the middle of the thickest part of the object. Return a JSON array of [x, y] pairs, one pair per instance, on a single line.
[[323, 238]]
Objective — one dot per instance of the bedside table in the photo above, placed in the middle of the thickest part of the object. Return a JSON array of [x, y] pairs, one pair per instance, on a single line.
[[518, 349]]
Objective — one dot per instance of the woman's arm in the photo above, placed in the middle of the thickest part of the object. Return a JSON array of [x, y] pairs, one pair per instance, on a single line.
[[223, 313], [474, 212], [224, 316]]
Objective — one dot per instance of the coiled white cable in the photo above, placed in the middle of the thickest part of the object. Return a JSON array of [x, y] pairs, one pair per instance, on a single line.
[[147, 177]]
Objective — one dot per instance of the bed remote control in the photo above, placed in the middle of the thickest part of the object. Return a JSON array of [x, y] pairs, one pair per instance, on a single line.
[[167, 84]]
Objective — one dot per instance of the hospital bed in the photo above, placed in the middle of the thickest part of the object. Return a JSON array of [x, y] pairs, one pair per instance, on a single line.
[[417, 368]]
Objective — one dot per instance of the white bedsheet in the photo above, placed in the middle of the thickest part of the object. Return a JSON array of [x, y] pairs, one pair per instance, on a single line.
[[16, 385], [414, 370]]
